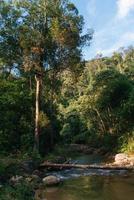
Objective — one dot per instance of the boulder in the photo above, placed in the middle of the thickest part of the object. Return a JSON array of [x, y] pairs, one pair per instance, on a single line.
[[16, 179], [121, 158], [51, 180]]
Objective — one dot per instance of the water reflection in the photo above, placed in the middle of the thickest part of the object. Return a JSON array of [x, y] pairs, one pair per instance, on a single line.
[[93, 188], [90, 184]]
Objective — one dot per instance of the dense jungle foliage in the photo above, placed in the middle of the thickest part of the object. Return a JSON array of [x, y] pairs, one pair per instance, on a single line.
[[84, 102], [93, 105]]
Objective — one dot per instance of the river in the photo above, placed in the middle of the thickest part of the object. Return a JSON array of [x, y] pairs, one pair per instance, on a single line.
[[79, 184]]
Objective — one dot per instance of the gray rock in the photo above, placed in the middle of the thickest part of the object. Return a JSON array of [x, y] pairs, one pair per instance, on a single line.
[[16, 179], [51, 180]]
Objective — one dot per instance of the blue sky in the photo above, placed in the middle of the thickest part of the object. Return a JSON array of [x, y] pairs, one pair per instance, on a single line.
[[112, 22]]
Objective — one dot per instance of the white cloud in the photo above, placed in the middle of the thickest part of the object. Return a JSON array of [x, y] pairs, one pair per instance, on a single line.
[[115, 32], [126, 39], [124, 8]]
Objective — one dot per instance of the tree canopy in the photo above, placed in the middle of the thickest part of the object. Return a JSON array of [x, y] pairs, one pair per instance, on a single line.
[[48, 93]]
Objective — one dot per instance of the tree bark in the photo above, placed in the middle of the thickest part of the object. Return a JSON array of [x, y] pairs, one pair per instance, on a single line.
[[36, 136]]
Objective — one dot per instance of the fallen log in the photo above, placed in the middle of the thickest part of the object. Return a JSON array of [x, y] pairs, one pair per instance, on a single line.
[[92, 166]]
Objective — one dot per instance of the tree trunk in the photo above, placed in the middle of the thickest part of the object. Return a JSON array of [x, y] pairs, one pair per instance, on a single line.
[[102, 123], [30, 83], [92, 166], [36, 136]]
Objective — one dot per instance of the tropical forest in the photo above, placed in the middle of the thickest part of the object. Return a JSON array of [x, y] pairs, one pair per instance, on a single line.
[[66, 120]]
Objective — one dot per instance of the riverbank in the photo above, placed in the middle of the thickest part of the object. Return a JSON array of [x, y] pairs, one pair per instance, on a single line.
[[25, 175]]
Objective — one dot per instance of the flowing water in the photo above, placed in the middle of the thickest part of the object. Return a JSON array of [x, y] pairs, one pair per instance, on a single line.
[[79, 184]]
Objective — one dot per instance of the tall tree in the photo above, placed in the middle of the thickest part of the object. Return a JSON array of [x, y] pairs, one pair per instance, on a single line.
[[39, 36]]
